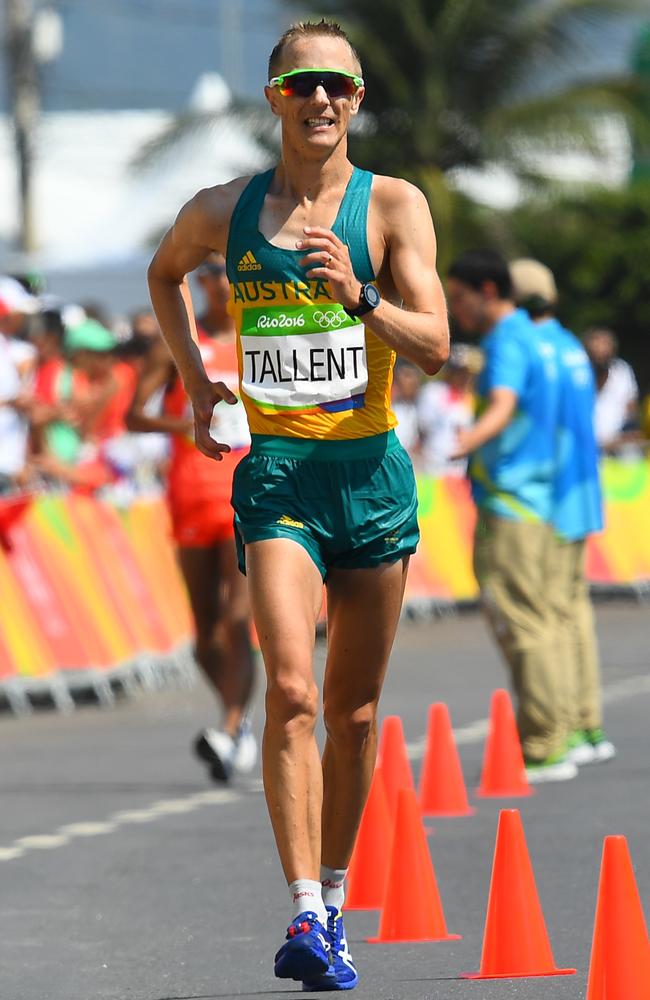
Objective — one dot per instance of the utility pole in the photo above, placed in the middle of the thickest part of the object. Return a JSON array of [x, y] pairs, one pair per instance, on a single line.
[[230, 28], [24, 92]]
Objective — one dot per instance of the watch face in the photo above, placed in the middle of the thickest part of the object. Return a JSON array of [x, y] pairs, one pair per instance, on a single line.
[[371, 295]]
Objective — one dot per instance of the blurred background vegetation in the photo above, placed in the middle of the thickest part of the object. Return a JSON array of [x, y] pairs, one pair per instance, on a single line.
[[462, 84]]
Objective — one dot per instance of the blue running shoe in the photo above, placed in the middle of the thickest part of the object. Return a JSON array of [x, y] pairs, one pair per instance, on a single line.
[[342, 974], [307, 951]]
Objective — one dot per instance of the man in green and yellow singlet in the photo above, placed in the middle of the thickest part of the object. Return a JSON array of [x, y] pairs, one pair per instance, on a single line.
[[332, 272]]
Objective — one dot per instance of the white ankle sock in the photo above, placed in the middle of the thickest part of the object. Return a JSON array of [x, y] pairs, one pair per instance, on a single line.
[[333, 882], [306, 894]]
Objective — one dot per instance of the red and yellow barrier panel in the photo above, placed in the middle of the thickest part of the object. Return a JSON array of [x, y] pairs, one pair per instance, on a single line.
[[87, 591], [619, 557]]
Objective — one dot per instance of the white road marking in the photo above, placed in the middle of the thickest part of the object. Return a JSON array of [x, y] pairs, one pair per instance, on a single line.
[[41, 842], [626, 688], [154, 812], [9, 853], [216, 797], [172, 806], [133, 816], [86, 829], [473, 733]]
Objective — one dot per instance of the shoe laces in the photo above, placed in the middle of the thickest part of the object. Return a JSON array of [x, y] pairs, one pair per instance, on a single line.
[[302, 926]]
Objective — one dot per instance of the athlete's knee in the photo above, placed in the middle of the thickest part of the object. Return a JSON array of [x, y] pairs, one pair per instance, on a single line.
[[348, 728], [291, 702]]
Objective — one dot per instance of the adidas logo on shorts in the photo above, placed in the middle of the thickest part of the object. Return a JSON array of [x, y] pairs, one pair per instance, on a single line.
[[248, 263], [289, 522]]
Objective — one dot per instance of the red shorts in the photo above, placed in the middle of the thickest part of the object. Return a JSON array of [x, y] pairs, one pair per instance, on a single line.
[[202, 523]]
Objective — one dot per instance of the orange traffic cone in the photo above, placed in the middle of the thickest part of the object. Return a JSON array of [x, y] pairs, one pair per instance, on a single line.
[[515, 942], [368, 870], [503, 772], [411, 909], [620, 953], [442, 788], [394, 762]]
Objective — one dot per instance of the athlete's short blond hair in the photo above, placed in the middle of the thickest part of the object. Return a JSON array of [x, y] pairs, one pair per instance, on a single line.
[[309, 29]]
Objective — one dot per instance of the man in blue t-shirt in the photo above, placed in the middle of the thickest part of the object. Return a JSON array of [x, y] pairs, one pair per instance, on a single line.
[[512, 460], [576, 513]]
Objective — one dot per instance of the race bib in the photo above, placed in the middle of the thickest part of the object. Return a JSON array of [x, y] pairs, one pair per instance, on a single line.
[[303, 356], [229, 425]]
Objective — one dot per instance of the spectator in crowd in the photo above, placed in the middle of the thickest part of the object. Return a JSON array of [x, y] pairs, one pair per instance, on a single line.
[[576, 513], [13, 427], [445, 407], [143, 335], [53, 416], [16, 306], [17, 361], [407, 379], [616, 414], [97, 312], [144, 325], [101, 408], [110, 382], [512, 448]]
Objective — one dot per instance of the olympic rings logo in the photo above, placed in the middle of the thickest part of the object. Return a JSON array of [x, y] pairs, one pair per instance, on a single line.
[[331, 318]]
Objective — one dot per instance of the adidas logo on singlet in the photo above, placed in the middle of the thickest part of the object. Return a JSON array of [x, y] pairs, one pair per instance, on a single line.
[[248, 263]]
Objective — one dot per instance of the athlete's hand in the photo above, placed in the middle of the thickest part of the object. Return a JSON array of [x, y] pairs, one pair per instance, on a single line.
[[329, 258], [204, 398]]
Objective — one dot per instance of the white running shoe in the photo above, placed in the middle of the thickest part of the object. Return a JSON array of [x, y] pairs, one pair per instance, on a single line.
[[555, 768], [581, 754], [590, 746], [245, 757], [603, 748], [217, 749]]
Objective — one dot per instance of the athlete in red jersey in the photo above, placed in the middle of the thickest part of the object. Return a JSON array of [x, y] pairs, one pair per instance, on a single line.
[[198, 493]]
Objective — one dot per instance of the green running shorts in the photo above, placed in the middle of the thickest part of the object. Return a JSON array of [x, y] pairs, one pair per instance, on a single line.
[[350, 504]]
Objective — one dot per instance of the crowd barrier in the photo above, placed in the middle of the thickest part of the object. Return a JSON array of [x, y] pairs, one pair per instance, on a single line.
[[617, 560], [91, 597]]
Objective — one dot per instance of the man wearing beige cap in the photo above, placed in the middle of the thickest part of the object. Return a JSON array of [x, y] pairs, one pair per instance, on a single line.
[[576, 513]]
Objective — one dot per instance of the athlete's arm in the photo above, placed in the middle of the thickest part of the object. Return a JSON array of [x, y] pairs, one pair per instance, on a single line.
[[420, 330], [201, 227], [500, 410], [158, 371]]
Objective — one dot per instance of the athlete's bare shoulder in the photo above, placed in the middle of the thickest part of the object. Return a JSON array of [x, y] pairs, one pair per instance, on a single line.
[[209, 212], [200, 227], [392, 197]]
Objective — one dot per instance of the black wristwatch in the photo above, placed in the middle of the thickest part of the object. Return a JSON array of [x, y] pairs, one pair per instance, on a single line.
[[369, 299]]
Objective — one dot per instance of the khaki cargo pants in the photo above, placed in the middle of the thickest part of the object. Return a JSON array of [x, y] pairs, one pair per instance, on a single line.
[[577, 645], [511, 563]]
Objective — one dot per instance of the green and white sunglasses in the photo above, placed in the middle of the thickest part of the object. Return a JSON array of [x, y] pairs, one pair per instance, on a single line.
[[303, 82]]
